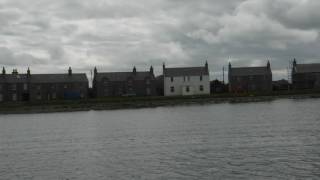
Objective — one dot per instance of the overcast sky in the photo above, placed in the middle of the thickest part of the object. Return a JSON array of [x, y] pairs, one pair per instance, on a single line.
[[114, 35]]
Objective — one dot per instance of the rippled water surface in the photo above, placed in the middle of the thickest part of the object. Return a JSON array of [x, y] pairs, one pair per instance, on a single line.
[[277, 140]]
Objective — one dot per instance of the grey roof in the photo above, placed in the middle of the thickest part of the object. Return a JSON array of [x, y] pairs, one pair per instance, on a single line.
[[123, 76], [186, 71], [43, 78], [308, 68], [250, 71], [59, 78], [13, 78]]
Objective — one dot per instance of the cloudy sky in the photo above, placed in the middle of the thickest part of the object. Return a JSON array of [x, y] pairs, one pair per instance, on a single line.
[[114, 35]]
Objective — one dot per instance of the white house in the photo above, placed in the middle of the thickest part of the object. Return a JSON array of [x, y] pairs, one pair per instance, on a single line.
[[186, 81]]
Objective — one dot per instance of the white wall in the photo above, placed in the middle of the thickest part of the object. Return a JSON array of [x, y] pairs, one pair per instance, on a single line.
[[180, 85]]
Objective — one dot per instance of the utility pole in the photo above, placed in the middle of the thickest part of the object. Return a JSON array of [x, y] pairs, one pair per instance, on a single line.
[[223, 74], [91, 77]]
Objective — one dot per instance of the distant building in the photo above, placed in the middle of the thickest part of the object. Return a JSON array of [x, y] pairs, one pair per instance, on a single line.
[[250, 79], [14, 87], [186, 81], [42, 87], [281, 85], [305, 76], [58, 86], [217, 86], [132, 83]]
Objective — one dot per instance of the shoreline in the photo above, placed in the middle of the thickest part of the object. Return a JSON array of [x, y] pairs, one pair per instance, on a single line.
[[139, 102]]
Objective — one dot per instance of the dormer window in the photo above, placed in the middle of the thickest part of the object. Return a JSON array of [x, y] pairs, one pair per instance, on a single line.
[[201, 78]]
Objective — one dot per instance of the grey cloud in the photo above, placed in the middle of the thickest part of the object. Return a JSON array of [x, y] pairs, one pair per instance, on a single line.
[[118, 34], [8, 58]]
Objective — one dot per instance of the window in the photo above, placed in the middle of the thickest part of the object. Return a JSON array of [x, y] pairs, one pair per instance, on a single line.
[[14, 97], [54, 95], [120, 91], [172, 89], [130, 82], [188, 89], [171, 79], [184, 79], [14, 87], [105, 82], [38, 96], [65, 86], [148, 81], [201, 78], [201, 88], [106, 91], [148, 91], [251, 78], [25, 86]]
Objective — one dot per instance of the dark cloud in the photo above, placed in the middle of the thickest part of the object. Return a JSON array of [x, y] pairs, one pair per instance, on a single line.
[[118, 34]]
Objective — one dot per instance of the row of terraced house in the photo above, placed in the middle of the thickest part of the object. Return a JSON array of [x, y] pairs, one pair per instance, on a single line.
[[175, 81]]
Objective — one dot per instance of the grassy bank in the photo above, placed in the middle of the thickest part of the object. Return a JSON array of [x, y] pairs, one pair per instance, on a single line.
[[144, 102]]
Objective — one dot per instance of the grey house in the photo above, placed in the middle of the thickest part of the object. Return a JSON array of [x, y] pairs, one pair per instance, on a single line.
[[42, 87], [250, 79], [132, 83], [305, 76], [14, 87]]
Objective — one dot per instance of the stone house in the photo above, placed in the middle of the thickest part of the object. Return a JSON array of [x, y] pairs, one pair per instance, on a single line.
[[305, 76], [42, 87], [14, 87], [134, 83], [250, 79]]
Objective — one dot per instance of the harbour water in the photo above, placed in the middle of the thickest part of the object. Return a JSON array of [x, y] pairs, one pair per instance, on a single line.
[[267, 140]]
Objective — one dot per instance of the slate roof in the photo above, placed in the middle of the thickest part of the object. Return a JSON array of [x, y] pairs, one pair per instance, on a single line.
[[249, 71], [186, 71], [308, 68], [123, 76], [13, 78], [44, 78]]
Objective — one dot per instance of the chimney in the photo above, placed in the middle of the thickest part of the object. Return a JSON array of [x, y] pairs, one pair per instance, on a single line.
[[206, 66], [28, 72], [3, 71], [69, 71], [294, 62], [95, 71], [134, 70], [151, 70], [15, 71], [268, 64]]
